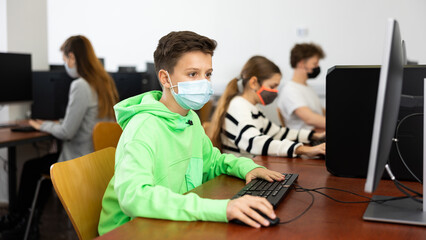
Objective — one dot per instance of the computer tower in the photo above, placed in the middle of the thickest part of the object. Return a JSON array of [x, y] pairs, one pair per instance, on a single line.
[[50, 94], [153, 81], [350, 104]]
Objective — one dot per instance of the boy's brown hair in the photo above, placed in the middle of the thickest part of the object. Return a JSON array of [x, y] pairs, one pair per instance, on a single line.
[[172, 46], [304, 51]]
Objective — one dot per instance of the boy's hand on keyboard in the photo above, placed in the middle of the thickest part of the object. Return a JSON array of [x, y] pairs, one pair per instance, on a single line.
[[243, 207], [263, 173]]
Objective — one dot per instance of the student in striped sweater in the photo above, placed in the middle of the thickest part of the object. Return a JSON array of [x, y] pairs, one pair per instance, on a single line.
[[239, 127]]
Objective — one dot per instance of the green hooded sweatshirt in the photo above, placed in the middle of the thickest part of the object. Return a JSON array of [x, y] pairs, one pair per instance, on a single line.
[[161, 155]]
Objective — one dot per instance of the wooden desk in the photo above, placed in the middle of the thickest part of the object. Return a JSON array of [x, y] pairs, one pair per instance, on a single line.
[[10, 140], [325, 220]]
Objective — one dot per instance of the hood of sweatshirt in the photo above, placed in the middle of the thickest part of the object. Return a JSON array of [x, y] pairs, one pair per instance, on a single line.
[[149, 103]]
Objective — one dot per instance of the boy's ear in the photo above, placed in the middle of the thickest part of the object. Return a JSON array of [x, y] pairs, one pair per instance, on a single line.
[[301, 64], [164, 79]]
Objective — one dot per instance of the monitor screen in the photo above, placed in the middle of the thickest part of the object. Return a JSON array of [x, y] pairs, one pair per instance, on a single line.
[[387, 105], [57, 67], [128, 84], [15, 77], [406, 210], [126, 69]]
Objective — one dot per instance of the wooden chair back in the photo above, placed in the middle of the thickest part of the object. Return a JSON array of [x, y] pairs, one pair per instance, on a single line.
[[280, 116], [106, 134], [80, 185]]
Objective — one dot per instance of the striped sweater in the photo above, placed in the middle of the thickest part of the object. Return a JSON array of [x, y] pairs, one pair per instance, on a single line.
[[246, 132]]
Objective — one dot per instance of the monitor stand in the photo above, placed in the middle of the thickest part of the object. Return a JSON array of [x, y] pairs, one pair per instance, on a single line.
[[405, 211]]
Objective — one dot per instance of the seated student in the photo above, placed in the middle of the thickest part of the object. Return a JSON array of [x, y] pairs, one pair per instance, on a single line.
[[91, 99], [164, 152], [239, 127], [298, 103]]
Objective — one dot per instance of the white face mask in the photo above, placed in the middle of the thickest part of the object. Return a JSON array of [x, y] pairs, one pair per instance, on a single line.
[[72, 72], [192, 94]]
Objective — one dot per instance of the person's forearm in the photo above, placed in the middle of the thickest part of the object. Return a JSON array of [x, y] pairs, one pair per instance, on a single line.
[[316, 120], [311, 118]]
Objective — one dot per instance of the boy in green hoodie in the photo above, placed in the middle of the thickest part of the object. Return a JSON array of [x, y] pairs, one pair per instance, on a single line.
[[164, 151]]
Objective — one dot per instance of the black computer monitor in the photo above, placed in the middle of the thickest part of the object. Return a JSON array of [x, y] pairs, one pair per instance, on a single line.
[[15, 77], [50, 91], [152, 74], [102, 60], [61, 67], [57, 67], [126, 68], [406, 210], [128, 84]]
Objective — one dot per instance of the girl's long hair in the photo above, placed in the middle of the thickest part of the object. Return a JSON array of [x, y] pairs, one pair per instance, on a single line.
[[90, 68]]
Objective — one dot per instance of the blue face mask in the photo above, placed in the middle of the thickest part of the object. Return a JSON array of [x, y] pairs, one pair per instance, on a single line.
[[192, 94], [72, 72]]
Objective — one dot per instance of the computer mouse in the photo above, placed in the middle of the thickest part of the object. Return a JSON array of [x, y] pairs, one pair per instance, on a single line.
[[272, 222]]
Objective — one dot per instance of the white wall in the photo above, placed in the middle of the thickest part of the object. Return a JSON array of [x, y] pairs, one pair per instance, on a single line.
[[27, 30], [351, 32]]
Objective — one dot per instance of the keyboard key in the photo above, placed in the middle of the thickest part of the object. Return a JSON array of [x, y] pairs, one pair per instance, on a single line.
[[278, 187], [260, 186], [255, 185], [274, 185], [267, 186]]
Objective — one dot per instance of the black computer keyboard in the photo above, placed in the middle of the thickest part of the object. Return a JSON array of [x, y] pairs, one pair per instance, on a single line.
[[23, 129], [274, 192], [317, 142]]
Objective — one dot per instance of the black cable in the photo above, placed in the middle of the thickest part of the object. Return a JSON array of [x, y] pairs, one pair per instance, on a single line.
[[342, 190], [304, 211], [397, 184], [397, 147], [417, 194]]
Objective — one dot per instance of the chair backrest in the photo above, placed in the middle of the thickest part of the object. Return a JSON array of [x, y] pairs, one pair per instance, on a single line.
[[106, 134], [280, 116], [80, 185]]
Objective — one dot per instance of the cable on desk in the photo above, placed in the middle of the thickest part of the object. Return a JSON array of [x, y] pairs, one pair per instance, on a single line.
[[401, 187], [398, 184], [301, 189], [316, 190], [396, 141]]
